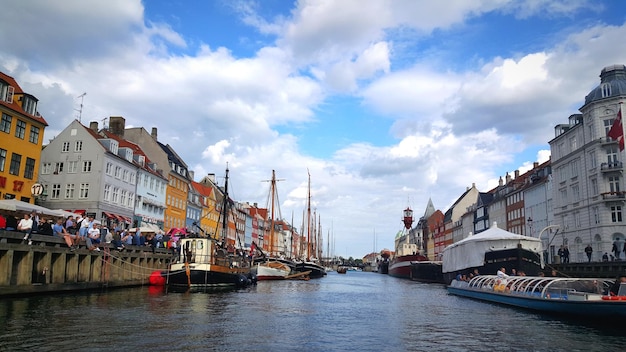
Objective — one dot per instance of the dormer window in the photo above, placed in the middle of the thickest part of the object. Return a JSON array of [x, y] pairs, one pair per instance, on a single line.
[[114, 147], [142, 160], [606, 90], [6, 92], [29, 105], [129, 155]]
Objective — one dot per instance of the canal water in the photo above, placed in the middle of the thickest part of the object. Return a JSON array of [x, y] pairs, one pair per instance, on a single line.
[[358, 311]]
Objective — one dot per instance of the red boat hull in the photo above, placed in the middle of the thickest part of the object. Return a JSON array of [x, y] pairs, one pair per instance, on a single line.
[[401, 266]]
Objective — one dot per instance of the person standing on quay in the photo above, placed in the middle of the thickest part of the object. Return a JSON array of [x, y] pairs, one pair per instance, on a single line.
[[589, 251]]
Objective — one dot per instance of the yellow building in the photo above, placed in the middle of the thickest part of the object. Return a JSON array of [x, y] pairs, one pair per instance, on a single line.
[[209, 215], [176, 194], [21, 137]]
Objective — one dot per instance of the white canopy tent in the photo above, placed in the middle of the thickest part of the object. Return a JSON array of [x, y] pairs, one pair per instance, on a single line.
[[18, 205], [470, 252]]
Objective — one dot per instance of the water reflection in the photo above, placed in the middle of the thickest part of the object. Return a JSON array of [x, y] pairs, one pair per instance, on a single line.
[[357, 311]]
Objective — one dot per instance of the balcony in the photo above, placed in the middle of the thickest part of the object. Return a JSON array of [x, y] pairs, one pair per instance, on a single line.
[[613, 196], [612, 167], [608, 141]]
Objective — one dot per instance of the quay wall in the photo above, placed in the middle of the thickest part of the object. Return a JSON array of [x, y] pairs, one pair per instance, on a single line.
[[49, 266]]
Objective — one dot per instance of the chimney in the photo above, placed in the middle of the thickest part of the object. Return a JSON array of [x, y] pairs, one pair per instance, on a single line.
[[93, 125], [191, 174], [154, 133], [508, 177], [117, 124], [516, 174], [535, 164], [500, 183]]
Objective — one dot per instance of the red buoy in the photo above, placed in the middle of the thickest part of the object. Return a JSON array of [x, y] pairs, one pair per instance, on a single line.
[[157, 279]]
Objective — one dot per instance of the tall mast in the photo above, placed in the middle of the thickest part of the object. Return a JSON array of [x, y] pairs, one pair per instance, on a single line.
[[308, 219], [272, 188], [225, 208]]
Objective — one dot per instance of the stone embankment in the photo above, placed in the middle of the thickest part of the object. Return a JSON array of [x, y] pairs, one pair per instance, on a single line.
[[49, 266]]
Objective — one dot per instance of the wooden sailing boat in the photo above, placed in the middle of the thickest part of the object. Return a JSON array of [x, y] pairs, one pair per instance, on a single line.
[[204, 262], [272, 267], [309, 264]]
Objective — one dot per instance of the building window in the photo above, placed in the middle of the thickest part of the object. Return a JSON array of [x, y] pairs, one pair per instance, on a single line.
[[115, 195], [611, 155], [616, 213], [592, 160], [69, 191], [596, 215], [86, 166], [78, 146], [20, 129], [123, 197], [34, 135], [118, 172], [109, 169], [56, 191], [594, 186], [5, 124], [107, 192], [72, 167], [84, 190], [575, 193], [3, 159], [614, 184], [29, 169], [46, 168], [66, 147], [58, 168], [16, 161], [125, 176], [132, 178]]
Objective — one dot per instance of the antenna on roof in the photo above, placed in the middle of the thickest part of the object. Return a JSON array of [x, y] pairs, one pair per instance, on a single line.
[[80, 110]]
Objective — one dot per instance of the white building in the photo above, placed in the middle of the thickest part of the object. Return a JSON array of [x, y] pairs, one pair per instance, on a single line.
[[587, 171]]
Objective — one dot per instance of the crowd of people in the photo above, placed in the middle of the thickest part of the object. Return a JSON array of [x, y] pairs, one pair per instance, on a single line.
[[78, 230]]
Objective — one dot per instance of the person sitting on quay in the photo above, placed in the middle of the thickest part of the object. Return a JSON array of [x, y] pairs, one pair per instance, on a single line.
[[127, 237], [117, 240], [45, 227], [26, 225], [70, 224], [85, 226], [93, 237], [11, 222], [59, 231], [3, 222], [605, 257]]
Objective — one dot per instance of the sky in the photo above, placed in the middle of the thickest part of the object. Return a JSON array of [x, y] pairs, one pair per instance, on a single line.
[[386, 104]]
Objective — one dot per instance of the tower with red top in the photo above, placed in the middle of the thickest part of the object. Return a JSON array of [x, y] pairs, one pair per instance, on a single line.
[[408, 218]]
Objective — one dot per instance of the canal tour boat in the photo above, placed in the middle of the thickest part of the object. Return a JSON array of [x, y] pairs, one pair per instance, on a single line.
[[580, 297], [491, 250]]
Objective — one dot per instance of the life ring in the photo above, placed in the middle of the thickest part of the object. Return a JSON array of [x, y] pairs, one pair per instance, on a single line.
[[614, 298]]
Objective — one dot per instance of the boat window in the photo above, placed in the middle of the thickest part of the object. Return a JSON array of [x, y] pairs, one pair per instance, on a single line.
[[200, 244]]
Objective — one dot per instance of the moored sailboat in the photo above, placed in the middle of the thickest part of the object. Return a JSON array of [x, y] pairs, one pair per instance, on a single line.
[[205, 264], [269, 267], [310, 264]]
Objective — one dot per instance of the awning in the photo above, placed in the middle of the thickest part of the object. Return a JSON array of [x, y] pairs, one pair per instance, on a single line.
[[109, 215], [120, 218]]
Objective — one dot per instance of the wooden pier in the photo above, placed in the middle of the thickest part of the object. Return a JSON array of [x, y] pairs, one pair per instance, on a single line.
[[49, 266]]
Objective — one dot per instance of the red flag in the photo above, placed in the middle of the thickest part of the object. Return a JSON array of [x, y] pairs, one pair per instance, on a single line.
[[617, 131]]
